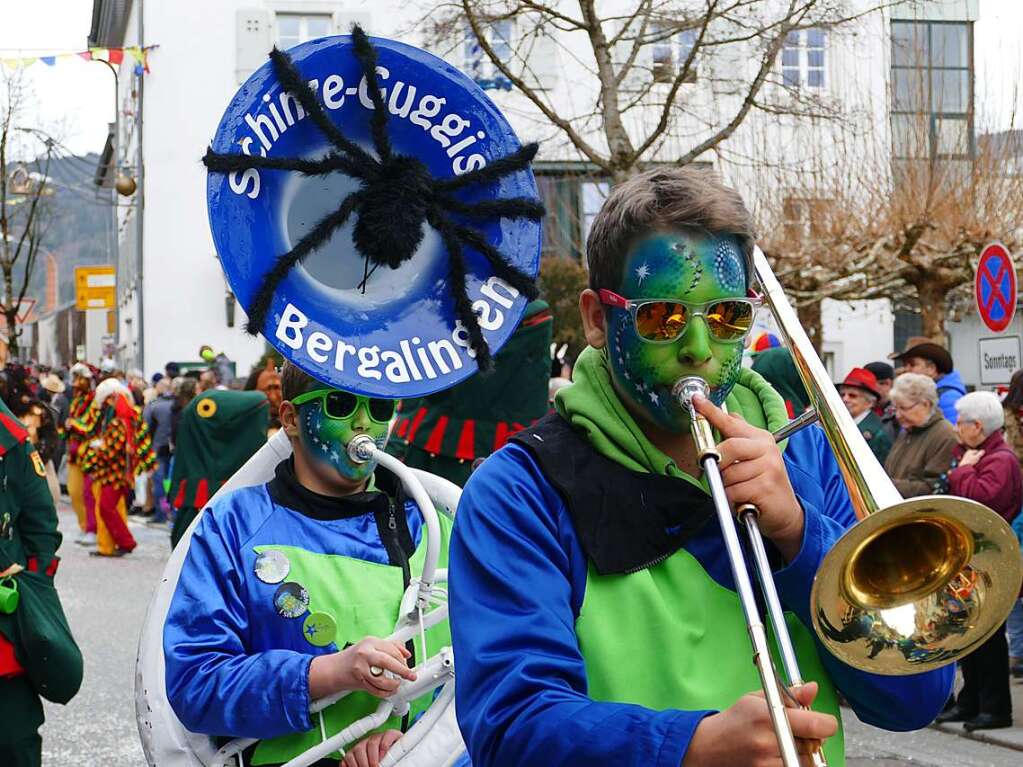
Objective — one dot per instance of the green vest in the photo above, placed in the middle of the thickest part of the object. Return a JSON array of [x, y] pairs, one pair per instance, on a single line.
[[670, 637], [363, 598]]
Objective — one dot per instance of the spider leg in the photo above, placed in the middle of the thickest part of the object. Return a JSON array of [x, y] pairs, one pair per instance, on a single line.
[[367, 56], [229, 162], [292, 82], [518, 279], [284, 264], [502, 166], [456, 276], [510, 207]]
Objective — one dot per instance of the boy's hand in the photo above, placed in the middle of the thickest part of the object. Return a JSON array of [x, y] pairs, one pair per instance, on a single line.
[[353, 669], [370, 750], [743, 736], [753, 472], [361, 666]]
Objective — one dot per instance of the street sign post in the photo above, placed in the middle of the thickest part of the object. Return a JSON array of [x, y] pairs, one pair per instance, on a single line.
[[999, 358], [95, 287], [994, 287]]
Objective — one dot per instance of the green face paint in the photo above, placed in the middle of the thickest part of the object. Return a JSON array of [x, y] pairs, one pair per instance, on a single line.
[[682, 266], [326, 439]]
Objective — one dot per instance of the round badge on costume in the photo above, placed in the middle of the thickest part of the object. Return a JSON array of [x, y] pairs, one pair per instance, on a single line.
[[381, 327], [206, 408], [272, 566], [319, 629], [291, 600]]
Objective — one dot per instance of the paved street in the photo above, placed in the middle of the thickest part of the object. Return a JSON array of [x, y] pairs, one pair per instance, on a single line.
[[106, 600]]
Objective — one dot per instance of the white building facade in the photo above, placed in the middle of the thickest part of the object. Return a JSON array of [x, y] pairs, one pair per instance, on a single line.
[[173, 298]]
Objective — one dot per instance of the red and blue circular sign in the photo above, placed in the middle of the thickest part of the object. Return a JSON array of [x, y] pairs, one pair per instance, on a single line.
[[380, 332], [995, 287]]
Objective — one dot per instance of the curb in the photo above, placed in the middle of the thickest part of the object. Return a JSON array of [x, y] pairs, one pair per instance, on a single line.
[[1010, 737]]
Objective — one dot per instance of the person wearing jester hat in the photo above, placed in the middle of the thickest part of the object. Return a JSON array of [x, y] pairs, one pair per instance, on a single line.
[[116, 446], [79, 486], [287, 587], [593, 610]]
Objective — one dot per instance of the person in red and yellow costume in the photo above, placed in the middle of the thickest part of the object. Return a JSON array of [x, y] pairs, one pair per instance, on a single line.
[[120, 448], [79, 487]]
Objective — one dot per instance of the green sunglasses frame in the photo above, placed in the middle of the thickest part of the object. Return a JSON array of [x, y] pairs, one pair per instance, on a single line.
[[321, 394]]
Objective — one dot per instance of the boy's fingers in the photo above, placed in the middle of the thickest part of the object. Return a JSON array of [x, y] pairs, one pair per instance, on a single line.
[[728, 425], [394, 665]]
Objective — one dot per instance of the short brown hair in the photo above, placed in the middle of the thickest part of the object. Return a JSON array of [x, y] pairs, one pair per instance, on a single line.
[[295, 382], [663, 198]]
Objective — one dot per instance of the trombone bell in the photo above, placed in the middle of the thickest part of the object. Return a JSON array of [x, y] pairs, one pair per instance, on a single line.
[[917, 583]]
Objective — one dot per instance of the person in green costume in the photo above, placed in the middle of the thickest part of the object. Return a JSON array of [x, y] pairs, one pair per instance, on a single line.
[[288, 587], [593, 610], [218, 432], [444, 433], [29, 606], [778, 369]]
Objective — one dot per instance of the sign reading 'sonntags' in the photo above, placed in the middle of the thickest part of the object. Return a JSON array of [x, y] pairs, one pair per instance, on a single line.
[[290, 185], [999, 359]]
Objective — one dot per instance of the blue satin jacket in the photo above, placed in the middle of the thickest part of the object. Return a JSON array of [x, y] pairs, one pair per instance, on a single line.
[[517, 580], [235, 667]]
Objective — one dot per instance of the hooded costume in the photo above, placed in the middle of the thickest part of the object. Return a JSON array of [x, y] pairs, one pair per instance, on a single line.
[[218, 432], [446, 432], [597, 618]]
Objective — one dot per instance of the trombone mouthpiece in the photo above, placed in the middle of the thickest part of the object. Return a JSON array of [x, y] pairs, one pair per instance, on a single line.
[[686, 388], [361, 449]]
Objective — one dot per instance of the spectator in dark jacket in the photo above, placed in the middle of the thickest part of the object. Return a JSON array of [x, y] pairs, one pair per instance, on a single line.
[[922, 453], [158, 417], [985, 470]]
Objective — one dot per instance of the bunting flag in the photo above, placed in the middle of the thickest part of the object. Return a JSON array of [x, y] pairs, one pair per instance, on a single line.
[[114, 56]]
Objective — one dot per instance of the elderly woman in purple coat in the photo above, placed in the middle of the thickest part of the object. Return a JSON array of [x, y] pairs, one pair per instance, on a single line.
[[984, 469]]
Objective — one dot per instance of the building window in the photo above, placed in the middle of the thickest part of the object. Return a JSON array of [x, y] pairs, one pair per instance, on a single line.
[[669, 53], [803, 219], [591, 199], [802, 59], [295, 28], [499, 35], [932, 90]]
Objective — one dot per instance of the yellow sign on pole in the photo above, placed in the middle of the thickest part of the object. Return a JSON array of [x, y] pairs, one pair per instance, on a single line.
[[95, 287]]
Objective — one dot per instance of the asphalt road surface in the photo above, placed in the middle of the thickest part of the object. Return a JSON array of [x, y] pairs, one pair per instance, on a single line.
[[106, 600]]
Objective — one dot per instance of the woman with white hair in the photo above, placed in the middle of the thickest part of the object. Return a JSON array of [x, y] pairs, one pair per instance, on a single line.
[[922, 452], [985, 469]]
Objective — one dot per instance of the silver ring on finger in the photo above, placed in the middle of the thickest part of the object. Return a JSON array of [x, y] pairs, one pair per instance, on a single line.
[[376, 671]]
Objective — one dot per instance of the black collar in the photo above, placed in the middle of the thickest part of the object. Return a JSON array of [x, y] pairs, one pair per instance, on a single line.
[[286, 490], [626, 520]]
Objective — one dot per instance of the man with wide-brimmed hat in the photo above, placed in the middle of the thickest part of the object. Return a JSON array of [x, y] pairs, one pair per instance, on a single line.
[[860, 393], [924, 356]]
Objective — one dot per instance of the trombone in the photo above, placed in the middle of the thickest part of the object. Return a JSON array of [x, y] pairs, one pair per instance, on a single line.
[[914, 585]]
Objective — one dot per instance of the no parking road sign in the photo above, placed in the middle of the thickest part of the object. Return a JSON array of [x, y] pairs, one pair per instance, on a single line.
[[995, 287]]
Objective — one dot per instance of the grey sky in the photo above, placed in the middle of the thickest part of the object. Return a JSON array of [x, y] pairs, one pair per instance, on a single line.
[[78, 95]]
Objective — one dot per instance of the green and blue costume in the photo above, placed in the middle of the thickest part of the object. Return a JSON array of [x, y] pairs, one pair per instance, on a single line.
[[595, 620]]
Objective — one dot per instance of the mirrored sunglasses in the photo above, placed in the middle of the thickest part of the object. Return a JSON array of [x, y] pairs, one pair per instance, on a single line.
[[662, 321]]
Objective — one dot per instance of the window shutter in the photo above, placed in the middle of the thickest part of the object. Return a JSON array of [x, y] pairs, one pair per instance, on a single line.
[[343, 22], [543, 61], [639, 72], [253, 41]]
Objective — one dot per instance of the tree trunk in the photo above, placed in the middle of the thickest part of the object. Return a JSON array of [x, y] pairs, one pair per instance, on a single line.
[[12, 335], [932, 296], [810, 319]]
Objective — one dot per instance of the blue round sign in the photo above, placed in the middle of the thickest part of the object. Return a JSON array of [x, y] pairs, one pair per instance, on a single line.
[[375, 330]]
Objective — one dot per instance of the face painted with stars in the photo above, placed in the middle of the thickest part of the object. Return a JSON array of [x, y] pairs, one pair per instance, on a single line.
[[693, 268], [326, 439]]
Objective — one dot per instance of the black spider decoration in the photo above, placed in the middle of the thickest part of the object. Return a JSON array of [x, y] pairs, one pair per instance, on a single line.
[[397, 195]]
